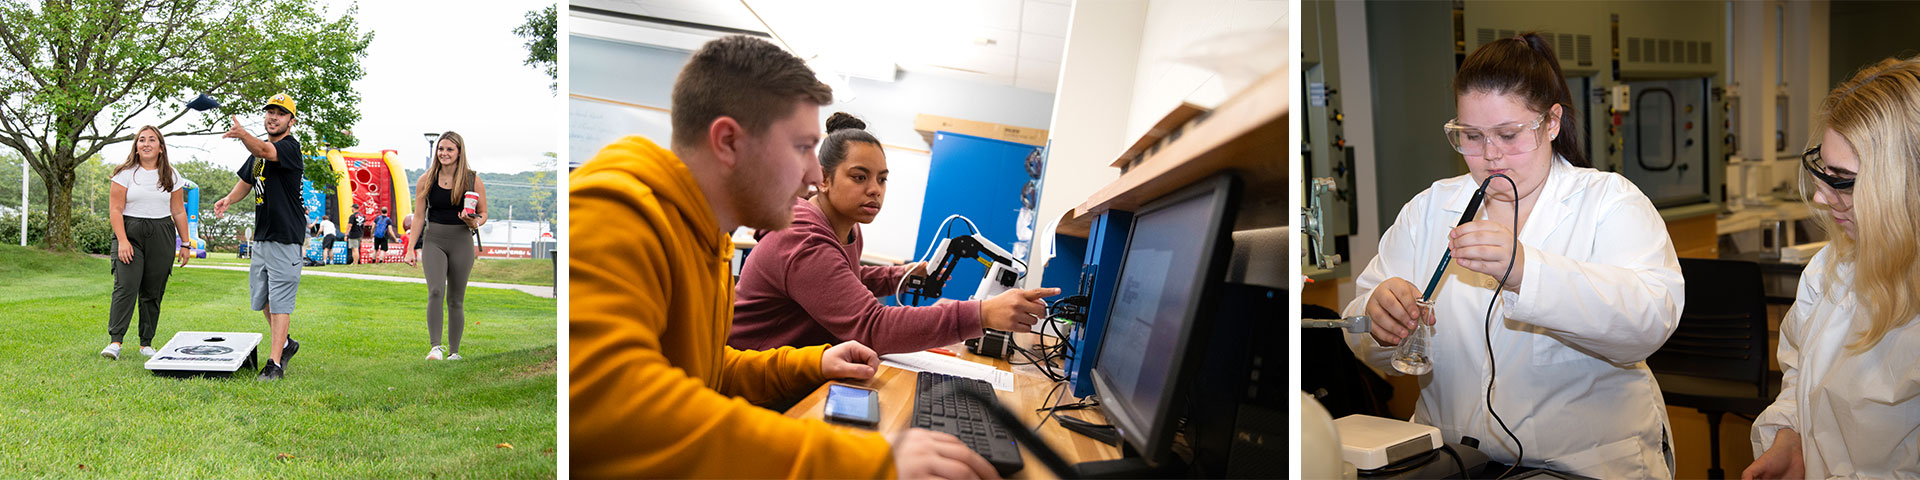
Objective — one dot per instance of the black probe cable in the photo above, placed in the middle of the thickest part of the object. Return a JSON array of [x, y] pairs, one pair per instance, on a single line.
[[1492, 369]]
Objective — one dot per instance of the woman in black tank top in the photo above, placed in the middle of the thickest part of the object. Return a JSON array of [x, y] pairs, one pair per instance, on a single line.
[[446, 240]]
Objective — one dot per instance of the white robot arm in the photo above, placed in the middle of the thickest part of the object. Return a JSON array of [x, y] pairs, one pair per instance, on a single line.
[[1003, 270]]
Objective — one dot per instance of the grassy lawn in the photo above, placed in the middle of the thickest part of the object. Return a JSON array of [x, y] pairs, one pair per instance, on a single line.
[[358, 400], [518, 271]]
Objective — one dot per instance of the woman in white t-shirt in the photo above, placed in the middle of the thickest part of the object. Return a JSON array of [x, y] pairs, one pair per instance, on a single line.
[[147, 209]]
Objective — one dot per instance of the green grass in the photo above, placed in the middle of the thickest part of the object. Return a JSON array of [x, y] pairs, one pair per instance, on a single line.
[[515, 271], [358, 400]]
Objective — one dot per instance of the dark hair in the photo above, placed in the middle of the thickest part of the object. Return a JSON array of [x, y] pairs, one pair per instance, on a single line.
[[742, 77], [1525, 66], [842, 128]]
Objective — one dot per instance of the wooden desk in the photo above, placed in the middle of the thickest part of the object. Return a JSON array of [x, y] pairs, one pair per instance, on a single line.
[[896, 389]]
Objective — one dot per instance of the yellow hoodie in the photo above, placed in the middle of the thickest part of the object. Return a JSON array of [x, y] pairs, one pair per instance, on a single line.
[[655, 391]]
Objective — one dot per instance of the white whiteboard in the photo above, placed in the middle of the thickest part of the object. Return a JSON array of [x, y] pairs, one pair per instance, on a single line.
[[592, 125], [892, 232]]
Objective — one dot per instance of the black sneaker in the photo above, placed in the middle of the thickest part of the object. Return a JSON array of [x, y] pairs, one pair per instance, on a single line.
[[286, 352], [272, 371]]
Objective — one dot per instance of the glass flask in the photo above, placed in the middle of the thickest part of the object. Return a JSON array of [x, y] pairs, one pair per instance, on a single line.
[[1413, 356]]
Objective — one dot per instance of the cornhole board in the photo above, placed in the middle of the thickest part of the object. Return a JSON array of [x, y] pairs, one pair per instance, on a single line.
[[213, 354]]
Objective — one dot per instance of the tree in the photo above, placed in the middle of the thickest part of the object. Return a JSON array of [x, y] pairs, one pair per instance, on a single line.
[[542, 175], [214, 181], [75, 73], [541, 48]]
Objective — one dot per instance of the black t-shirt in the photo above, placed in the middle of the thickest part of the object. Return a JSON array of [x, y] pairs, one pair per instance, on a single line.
[[357, 227], [278, 214]]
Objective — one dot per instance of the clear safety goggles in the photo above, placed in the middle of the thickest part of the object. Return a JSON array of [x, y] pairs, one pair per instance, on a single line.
[[1511, 138]]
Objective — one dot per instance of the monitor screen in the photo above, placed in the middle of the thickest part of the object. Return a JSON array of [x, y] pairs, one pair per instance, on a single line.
[[1167, 264]]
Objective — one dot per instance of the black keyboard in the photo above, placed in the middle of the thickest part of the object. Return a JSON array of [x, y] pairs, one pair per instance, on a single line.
[[938, 405]]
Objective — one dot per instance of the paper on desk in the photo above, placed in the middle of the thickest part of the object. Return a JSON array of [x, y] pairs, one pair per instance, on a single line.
[[937, 363]]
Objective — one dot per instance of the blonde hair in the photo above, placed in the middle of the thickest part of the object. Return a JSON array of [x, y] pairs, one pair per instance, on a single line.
[[460, 172], [1878, 112], [164, 167]]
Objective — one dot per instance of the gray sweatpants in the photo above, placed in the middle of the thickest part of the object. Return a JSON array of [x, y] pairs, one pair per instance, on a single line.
[[144, 280], [447, 254]]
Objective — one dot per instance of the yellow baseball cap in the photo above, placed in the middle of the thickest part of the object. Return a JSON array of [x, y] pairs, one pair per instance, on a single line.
[[281, 100]]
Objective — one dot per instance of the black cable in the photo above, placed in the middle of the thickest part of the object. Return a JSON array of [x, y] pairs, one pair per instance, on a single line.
[[1046, 368], [1049, 399], [1457, 463], [1512, 254]]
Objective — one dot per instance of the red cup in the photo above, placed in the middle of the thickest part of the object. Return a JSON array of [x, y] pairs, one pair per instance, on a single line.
[[472, 201]]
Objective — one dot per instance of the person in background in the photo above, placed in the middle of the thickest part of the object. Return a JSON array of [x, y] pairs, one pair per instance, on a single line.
[[804, 285], [1849, 403], [147, 209], [382, 230], [654, 390], [356, 232], [328, 235]]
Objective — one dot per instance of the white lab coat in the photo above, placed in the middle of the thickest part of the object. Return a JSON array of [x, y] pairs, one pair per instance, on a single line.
[[1602, 290], [1858, 415]]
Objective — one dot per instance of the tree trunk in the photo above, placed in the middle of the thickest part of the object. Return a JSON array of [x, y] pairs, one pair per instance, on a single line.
[[59, 182]]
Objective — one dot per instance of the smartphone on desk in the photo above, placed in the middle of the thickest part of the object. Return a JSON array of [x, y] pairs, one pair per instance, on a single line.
[[853, 405]]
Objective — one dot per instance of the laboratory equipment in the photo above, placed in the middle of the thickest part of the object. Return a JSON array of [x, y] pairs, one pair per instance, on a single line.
[[1412, 356], [1003, 270], [1370, 442]]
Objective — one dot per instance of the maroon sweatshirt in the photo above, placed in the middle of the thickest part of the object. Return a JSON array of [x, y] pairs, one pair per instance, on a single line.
[[800, 286]]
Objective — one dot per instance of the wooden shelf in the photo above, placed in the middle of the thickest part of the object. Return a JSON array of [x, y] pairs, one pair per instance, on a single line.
[[1166, 126], [1247, 134]]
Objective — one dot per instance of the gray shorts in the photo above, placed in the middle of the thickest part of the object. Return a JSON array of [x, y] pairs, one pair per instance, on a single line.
[[274, 276]]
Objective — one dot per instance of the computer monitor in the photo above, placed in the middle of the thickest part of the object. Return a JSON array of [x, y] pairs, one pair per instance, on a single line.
[[1174, 254]]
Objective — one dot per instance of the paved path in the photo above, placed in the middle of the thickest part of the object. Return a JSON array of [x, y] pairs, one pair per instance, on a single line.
[[535, 290]]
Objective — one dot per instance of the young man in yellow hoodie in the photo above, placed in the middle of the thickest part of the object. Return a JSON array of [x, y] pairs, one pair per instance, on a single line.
[[655, 391]]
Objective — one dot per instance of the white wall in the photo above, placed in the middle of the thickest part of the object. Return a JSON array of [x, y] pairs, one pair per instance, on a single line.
[[1090, 112], [1178, 29]]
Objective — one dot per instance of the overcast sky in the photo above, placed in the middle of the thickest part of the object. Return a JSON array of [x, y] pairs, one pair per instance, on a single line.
[[433, 66]]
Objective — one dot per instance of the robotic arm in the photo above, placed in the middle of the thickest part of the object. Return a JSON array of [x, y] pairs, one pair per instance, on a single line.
[[1002, 269]]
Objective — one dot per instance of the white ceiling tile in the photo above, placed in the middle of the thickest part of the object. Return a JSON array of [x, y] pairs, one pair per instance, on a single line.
[[1042, 47], [1045, 18], [967, 75], [1001, 14], [995, 65]]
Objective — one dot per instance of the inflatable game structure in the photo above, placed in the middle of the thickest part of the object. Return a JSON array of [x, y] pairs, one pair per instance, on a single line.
[[372, 181], [193, 240]]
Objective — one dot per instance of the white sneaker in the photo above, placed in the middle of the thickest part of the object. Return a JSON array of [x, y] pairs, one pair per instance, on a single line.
[[148, 351], [438, 352], [112, 352], [454, 357]]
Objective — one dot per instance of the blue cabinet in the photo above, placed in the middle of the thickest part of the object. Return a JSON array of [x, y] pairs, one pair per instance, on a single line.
[[979, 178]]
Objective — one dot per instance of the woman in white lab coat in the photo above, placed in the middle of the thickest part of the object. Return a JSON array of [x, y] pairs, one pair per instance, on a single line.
[[1849, 404], [1594, 286]]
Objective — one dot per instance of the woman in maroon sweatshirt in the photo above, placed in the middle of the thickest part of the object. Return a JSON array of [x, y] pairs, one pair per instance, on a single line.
[[804, 285]]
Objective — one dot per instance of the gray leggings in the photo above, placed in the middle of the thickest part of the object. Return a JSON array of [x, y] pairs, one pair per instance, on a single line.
[[447, 253]]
